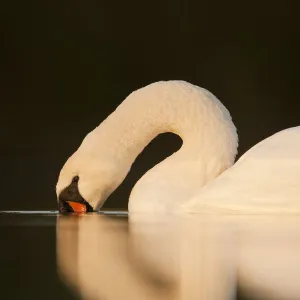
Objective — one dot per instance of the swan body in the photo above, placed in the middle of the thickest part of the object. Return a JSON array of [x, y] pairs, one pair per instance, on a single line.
[[106, 154], [266, 179]]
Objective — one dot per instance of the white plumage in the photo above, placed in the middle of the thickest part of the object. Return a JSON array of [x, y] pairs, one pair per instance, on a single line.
[[189, 180]]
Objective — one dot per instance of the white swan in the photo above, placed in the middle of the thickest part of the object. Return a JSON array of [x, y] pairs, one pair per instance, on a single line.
[[107, 153], [209, 148]]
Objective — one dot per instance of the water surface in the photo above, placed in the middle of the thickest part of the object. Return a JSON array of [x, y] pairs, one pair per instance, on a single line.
[[45, 255]]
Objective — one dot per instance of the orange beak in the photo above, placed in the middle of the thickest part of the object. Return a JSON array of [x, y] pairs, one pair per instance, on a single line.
[[77, 207]]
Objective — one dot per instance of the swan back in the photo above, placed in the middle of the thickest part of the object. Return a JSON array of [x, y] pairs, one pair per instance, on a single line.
[[264, 180]]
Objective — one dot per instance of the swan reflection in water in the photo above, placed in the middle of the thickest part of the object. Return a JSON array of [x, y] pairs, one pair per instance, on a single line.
[[196, 257]]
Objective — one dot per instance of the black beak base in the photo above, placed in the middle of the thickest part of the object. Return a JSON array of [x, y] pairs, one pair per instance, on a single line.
[[64, 207]]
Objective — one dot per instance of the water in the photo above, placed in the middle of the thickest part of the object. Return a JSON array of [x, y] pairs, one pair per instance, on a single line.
[[112, 256]]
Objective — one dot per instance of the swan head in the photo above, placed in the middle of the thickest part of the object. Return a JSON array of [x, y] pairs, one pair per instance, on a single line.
[[85, 183]]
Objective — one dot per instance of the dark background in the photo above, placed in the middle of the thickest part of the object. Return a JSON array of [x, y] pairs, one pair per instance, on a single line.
[[65, 65]]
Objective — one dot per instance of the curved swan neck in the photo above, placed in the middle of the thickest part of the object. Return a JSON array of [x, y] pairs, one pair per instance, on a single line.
[[204, 124]]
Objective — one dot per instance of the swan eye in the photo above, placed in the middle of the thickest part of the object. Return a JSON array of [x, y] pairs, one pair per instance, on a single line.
[[75, 179]]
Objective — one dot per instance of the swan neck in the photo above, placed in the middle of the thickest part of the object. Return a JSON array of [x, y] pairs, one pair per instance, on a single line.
[[204, 124]]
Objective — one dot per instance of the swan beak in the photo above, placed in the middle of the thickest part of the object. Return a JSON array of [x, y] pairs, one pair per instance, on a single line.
[[70, 200], [77, 207], [74, 206]]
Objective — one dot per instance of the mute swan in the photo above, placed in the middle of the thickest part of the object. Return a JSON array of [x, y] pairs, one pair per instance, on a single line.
[[106, 154], [197, 177]]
